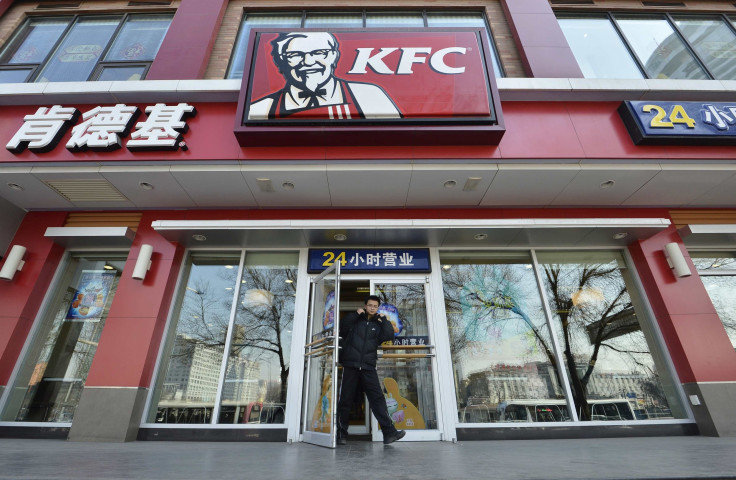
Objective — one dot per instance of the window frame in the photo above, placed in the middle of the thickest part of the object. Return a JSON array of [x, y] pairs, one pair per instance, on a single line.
[[611, 16], [36, 68], [363, 12]]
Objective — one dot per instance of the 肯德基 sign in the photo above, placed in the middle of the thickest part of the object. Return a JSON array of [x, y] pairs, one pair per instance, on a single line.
[[679, 123], [388, 260]]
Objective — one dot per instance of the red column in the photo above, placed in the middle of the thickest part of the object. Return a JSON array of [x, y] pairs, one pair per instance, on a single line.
[[127, 351], [186, 49], [692, 330], [21, 297], [542, 45]]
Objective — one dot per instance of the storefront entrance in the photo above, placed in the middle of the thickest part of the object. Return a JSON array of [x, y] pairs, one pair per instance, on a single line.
[[407, 368]]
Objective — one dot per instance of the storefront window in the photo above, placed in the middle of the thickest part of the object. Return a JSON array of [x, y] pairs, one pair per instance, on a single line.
[[597, 47], [502, 352], [659, 48], [258, 365], [67, 49], [598, 358], [622, 45], [198, 383], [717, 270], [52, 376], [353, 20], [610, 357]]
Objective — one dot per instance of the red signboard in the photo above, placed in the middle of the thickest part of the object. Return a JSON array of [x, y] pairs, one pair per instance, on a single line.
[[345, 87]]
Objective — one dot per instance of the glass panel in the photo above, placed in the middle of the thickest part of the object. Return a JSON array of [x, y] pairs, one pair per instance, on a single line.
[[502, 351], [659, 48], [390, 20], [78, 54], [55, 370], [187, 386], [610, 355], [707, 261], [113, 73], [407, 381], [722, 291], [285, 20], [318, 410], [597, 47], [334, 20], [258, 365], [714, 41], [34, 42], [19, 75], [463, 20], [721, 288], [139, 39]]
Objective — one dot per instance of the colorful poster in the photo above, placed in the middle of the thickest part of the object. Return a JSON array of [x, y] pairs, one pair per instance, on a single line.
[[90, 298], [392, 314], [329, 320]]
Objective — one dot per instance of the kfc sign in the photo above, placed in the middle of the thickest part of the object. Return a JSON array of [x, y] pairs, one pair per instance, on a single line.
[[102, 128], [341, 87]]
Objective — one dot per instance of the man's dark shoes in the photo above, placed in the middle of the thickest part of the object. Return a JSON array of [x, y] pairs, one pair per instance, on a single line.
[[397, 435], [342, 441]]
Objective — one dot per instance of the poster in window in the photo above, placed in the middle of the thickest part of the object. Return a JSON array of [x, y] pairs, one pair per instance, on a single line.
[[90, 298]]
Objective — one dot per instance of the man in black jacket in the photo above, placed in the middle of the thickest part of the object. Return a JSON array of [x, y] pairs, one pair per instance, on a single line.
[[362, 332]]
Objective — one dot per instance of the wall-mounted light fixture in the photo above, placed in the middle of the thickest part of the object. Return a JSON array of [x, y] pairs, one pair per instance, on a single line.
[[13, 263], [677, 260], [143, 264]]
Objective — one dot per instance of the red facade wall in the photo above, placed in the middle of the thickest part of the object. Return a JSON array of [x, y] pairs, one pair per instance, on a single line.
[[22, 296], [534, 130]]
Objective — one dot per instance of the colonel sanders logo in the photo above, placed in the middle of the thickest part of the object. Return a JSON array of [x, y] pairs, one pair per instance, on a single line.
[[307, 60]]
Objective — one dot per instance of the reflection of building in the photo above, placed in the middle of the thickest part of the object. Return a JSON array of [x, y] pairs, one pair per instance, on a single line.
[[537, 380], [193, 371]]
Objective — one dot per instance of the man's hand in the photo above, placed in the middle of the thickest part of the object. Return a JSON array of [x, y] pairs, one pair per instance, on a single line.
[[360, 311]]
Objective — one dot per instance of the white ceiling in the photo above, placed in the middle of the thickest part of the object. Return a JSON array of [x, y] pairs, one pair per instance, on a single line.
[[382, 185], [388, 185]]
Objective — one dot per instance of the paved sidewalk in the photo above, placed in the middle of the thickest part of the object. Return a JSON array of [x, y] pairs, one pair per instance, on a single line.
[[617, 458]]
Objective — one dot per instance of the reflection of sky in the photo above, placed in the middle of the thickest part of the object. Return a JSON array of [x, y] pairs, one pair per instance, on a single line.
[[598, 48], [646, 35]]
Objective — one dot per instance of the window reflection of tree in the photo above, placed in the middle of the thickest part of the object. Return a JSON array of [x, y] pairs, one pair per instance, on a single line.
[[265, 315], [592, 313]]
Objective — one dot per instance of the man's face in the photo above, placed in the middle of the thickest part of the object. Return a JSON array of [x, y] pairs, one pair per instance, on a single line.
[[310, 61], [371, 307]]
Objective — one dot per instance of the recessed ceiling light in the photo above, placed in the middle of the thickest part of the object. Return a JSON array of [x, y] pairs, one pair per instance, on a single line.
[[445, 267], [449, 184], [480, 236], [145, 186], [15, 186], [108, 267], [620, 235], [287, 185], [608, 184], [288, 280], [340, 237], [229, 266], [199, 238]]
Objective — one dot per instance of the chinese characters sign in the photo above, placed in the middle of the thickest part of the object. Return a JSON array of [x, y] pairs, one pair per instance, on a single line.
[[680, 123], [103, 128], [371, 260]]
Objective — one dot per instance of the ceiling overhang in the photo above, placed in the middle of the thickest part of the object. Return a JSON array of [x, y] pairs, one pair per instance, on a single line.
[[714, 235], [458, 233]]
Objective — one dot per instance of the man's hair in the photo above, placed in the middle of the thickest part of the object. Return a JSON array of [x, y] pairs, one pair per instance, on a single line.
[[280, 42], [372, 297]]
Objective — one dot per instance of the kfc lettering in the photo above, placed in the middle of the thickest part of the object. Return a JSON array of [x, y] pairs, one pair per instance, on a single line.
[[368, 87], [408, 58]]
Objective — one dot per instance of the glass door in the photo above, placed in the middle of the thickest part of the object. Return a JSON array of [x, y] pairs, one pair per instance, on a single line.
[[407, 368], [320, 393]]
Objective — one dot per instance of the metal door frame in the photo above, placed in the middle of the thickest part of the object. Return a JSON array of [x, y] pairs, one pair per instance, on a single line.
[[314, 349]]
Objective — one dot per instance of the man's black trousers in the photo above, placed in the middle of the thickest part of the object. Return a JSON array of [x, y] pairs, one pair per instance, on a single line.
[[353, 381]]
